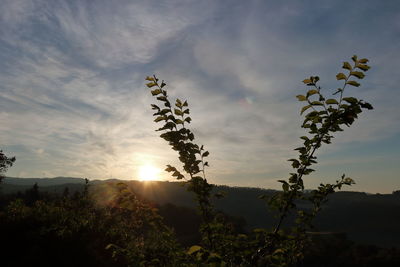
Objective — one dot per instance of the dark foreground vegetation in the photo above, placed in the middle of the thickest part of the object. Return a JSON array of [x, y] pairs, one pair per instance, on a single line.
[[112, 225]]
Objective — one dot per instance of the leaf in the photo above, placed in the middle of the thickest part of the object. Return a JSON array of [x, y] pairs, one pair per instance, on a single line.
[[156, 92], [312, 92], [304, 109], [160, 118], [351, 100], [176, 173], [178, 112], [295, 163], [178, 103], [301, 98], [353, 83], [163, 84], [155, 107], [357, 74], [194, 249], [363, 60], [366, 105], [341, 76], [188, 119], [170, 168], [149, 78], [347, 66], [354, 58], [162, 98], [331, 101], [165, 111], [363, 67], [205, 154], [151, 84], [316, 103], [307, 81], [185, 104]]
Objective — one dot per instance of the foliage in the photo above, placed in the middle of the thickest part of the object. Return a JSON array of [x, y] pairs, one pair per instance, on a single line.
[[327, 117], [275, 248], [75, 231], [192, 156], [5, 163]]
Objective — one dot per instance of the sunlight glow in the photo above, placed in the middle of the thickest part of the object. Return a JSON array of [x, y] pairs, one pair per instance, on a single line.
[[149, 173]]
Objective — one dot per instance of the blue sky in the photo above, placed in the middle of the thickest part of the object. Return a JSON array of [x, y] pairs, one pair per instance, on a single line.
[[73, 100]]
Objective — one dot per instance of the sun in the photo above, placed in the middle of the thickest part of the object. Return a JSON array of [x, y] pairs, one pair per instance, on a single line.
[[149, 173]]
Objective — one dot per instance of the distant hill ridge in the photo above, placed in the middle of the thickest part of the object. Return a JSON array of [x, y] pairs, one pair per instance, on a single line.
[[43, 181], [367, 218]]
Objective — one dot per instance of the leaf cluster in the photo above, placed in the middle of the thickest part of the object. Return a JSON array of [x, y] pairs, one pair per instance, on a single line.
[[5, 163], [323, 117]]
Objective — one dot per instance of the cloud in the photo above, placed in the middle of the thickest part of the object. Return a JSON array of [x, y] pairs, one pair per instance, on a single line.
[[74, 102]]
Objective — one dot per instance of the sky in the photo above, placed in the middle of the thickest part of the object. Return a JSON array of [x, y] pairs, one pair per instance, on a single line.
[[73, 100]]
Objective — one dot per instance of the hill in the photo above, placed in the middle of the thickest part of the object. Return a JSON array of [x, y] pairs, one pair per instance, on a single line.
[[365, 218]]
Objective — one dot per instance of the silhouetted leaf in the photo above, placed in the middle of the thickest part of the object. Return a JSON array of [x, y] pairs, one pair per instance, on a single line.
[[353, 83], [346, 65], [156, 92], [357, 74], [301, 98], [341, 76], [331, 101], [304, 109], [151, 84], [366, 105], [155, 107], [312, 92], [316, 103], [363, 67], [351, 100], [178, 112], [160, 118], [162, 98]]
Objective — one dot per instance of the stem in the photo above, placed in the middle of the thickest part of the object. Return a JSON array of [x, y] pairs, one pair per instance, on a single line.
[[292, 193], [317, 145]]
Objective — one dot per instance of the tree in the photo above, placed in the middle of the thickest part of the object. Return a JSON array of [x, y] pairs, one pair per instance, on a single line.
[[5, 163]]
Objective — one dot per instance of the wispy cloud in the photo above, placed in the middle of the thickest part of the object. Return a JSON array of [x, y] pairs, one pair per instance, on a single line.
[[73, 100]]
